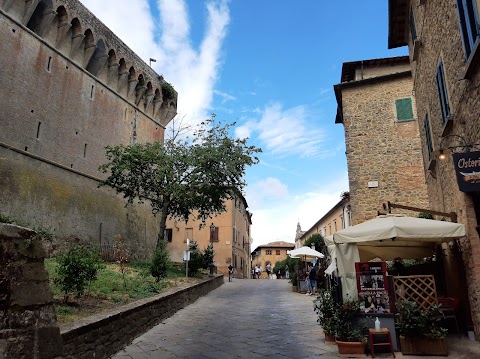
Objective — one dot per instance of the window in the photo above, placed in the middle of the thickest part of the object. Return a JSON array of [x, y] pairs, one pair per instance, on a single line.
[[168, 234], [214, 234], [330, 228], [404, 109], [269, 252], [469, 24], [442, 92], [335, 225], [428, 137], [342, 219], [413, 30], [277, 252]]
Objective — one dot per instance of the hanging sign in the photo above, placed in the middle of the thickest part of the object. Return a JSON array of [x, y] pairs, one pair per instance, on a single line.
[[467, 168]]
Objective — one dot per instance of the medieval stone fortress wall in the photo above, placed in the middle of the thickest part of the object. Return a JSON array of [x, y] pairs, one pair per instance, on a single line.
[[69, 88]]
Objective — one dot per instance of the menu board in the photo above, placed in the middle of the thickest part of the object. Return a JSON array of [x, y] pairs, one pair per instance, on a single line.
[[372, 286]]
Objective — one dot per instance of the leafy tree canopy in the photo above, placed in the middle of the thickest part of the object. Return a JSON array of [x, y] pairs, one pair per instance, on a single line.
[[319, 243], [182, 176]]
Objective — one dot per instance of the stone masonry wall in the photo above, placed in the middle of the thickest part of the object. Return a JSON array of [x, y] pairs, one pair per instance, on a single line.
[[70, 88], [28, 327], [105, 334], [438, 29], [380, 148]]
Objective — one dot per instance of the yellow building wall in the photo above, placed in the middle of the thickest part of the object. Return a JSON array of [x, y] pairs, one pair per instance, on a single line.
[[329, 225], [263, 258], [229, 249]]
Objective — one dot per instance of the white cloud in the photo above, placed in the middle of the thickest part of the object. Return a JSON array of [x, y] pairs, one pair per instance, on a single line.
[[277, 220], [287, 132], [191, 71]]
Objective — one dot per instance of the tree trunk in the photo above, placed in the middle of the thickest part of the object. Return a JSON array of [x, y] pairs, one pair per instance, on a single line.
[[163, 224]]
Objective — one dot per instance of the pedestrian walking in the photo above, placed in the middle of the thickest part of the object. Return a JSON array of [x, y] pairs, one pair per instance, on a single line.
[[258, 271], [230, 272], [312, 276], [269, 270]]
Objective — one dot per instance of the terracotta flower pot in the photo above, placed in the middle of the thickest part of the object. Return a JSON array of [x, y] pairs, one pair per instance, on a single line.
[[350, 347]]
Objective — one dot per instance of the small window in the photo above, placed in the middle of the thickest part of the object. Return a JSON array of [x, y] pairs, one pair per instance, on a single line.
[[428, 137], [277, 252], [442, 92], [469, 24], [214, 235], [168, 234], [404, 109], [335, 225], [49, 64], [269, 252]]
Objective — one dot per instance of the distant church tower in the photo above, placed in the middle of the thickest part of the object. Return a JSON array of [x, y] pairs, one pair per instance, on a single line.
[[298, 235]]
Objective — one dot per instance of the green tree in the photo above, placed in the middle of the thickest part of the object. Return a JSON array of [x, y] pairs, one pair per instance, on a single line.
[[319, 242], [182, 176], [160, 263], [208, 254]]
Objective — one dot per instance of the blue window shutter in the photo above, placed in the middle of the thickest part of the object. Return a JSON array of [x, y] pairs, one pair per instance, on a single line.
[[442, 92]]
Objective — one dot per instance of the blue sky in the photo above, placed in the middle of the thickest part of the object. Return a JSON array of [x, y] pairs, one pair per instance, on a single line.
[[270, 65]]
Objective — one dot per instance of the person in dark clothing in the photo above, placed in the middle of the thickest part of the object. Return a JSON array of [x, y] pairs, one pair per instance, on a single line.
[[312, 276], [230, 272]]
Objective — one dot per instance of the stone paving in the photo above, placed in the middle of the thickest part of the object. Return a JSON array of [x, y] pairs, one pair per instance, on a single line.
[[248, 319]]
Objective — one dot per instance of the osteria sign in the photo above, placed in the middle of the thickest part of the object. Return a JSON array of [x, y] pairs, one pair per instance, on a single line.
[[467, 168]]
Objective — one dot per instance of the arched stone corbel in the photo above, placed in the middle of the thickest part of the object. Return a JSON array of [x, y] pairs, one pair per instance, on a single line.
[[47, 23], [113, 75], [132, 84], [88, 52], [76, 52], [63, 42], [122, 80], [139, 92], [157, 105], [30, 6], [149, 95]]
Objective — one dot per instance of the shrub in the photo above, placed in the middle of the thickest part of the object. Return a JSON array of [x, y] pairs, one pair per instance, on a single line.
[[197, 260], [77, 269], [160, 263], [208, 255], [326, 308], [415, 321]]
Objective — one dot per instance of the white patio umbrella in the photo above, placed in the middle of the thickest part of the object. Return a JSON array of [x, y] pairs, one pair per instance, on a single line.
[[306, 253]]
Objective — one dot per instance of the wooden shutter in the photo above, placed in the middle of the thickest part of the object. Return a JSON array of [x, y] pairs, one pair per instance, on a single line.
[[404, 109], [168, 234], [216, 234], [442, 92]]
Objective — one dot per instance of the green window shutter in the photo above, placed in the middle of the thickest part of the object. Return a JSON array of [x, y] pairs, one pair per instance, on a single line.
[[404, 109]]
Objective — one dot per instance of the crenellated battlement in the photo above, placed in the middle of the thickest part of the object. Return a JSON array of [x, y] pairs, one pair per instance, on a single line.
[[72, 30]]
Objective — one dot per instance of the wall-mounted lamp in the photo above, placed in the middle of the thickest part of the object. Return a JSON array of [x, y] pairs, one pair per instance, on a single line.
[[462, 146]]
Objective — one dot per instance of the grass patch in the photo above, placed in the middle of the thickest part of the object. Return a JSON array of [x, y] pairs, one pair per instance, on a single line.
[[109, 290]]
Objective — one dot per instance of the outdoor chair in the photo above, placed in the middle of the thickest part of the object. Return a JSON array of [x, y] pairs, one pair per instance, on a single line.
[[449, 309]]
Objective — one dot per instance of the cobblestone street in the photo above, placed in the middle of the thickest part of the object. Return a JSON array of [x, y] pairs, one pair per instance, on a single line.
[[249, 319]]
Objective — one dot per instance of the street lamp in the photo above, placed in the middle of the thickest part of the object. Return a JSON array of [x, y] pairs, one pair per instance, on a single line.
[[211, 266]]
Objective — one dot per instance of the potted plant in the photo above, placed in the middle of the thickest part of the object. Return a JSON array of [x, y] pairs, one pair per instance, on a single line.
[[293, 280], [420, 329], [326, 309], [350, 340]]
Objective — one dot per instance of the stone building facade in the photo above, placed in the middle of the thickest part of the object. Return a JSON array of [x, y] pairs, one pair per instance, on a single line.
[[70, 87], [378, 111], [443, 41], [336, 219], [229, 232]]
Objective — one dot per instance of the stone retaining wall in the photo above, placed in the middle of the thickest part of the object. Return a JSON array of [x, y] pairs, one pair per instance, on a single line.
[[105, 334]]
